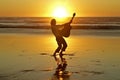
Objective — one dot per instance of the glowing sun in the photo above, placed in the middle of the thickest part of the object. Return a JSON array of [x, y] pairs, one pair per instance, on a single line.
[[60, 12]]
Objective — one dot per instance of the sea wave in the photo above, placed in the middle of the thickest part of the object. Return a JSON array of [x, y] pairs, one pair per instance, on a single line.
[[79, 22]]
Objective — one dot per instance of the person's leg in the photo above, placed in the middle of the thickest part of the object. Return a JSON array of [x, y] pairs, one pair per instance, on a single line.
[[59, 46], [64, 45]]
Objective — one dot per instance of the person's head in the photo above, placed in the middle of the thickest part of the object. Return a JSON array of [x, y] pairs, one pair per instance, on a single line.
[[53, 22]]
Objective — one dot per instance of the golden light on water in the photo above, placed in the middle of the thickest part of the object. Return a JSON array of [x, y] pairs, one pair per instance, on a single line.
[[53, 41]]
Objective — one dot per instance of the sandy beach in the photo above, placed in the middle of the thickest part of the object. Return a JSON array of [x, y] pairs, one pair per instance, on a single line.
[[25, 54]]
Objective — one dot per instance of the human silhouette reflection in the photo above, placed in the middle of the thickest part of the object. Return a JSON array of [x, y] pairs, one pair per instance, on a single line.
[[60, 72]]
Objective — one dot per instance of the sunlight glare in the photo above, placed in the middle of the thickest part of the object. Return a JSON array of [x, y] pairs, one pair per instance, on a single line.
[[60, 12]]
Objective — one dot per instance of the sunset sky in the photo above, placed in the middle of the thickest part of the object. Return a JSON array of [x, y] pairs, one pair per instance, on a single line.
[[41, 8]]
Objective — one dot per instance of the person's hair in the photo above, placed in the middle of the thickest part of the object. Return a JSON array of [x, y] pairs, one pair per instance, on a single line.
[[53, 22]]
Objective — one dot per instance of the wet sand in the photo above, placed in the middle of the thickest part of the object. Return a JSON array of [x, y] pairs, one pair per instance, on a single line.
[[27, 56]]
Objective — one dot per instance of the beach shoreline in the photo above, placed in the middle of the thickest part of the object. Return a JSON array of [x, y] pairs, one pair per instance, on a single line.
[[24, 57]]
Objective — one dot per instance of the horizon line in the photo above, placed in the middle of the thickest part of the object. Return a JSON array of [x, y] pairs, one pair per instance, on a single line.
[[52, 17]]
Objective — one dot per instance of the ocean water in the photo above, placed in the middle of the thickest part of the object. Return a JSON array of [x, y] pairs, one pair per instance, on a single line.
[[79, 22], [26, 54]]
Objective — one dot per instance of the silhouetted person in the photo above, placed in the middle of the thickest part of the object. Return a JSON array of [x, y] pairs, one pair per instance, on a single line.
[[59, 34]]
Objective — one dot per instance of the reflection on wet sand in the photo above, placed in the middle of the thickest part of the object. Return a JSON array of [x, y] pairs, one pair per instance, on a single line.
[[61, 73]]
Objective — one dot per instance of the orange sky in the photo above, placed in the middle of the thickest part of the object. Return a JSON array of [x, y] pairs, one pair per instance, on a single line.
[[40, 8]]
